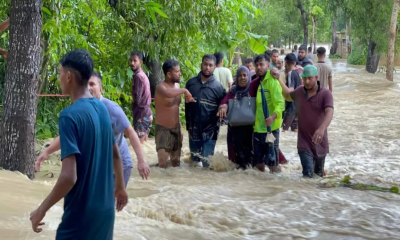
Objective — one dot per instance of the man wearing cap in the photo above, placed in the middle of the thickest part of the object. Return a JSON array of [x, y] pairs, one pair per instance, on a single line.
[[315, 112]]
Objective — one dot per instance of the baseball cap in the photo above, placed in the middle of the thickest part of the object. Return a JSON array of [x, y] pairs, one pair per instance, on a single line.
[[309, 70]]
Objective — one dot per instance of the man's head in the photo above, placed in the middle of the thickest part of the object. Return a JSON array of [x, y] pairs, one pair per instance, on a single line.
[[208, 65], [310, 76], [262, 65], [76, 67], [95, 85], [274, 56], [279, 64], [309, 49], [219, 56], [302, 52], [290, 61], [172, 71], [321, 51], [136, 60], [249, 63], [268, 53], [295, 47]]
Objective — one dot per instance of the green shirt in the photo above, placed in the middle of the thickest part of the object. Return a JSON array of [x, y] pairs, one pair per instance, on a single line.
[[276, 104]]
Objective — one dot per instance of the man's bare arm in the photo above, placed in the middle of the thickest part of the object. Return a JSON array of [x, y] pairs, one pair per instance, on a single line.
[[143, 168], [4, 25], [54, 146], [330, 84], [286, 91], [120, 193], [327, 118], [170, 92]]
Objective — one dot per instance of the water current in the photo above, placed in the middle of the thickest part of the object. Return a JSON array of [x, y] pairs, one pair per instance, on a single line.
[[187, 203]]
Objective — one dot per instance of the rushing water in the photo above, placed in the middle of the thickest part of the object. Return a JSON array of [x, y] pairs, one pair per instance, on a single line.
[[186, 203]]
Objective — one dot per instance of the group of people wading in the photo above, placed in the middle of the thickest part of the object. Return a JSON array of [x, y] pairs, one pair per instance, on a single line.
[[255, 103]]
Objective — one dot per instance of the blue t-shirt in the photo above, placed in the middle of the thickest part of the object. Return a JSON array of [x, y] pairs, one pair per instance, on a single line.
[[119, 123], [85, 131]]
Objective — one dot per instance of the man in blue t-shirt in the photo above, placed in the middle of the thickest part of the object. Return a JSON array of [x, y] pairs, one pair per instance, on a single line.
[[90, 158], [120, 125]]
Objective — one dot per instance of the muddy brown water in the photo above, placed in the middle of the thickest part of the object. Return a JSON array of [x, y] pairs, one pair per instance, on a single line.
[[187, 203]]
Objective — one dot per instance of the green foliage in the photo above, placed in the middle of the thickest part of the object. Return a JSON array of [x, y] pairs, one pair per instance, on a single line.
[[358, 55], [335, 56]]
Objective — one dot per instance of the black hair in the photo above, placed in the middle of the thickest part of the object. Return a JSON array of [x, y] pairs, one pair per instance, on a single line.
[[218, 56], [209, 56], [321, 51], [268, 53], [309, 49], [303, 47], [168, 65], [138, 54], [248, 60], [275, 51], [98, 76], [290, 58], [261, 57], [295, 47], [80, 61]]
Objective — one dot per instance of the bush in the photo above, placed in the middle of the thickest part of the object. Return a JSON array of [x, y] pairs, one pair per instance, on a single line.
[[358, 56]]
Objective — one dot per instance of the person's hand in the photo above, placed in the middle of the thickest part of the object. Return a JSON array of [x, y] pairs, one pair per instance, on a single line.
[[318, 136], [222, 112], [275, 73], [40, 160], [121, 198], [188, 97], [143, 169], [36, 220], [269, 121]]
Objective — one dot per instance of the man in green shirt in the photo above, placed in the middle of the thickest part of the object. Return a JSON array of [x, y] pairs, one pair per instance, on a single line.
[[276, 105]]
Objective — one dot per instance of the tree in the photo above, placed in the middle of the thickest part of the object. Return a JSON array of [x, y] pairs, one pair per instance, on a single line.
[[316, 14], [20, 91], [304, 19], [392, 39]]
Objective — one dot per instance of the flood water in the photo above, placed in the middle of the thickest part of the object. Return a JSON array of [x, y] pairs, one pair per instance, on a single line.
[[187, 203]]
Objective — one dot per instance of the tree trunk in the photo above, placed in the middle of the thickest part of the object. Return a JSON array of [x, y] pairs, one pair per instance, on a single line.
[[17, 151], [372, 58], [304, 19], [313, 31], [290, 43], [392, 39], [155, 76], [333, 49], [315, 39]]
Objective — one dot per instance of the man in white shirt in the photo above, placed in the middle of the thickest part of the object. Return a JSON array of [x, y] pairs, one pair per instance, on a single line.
[[222, 74]]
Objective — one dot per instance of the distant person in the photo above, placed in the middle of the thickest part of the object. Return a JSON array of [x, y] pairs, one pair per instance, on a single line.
[[295, 52], [201, 116], [120, 126], [292, 80], [250, 65], [3, 26], [274, 59], [324, 70], [141, 112], [168, 129], [279, 65], [90, 158], [222, 74], [276, 105], [239, 138], [268, 53], [302, 59], [315, 110], [310, 55]]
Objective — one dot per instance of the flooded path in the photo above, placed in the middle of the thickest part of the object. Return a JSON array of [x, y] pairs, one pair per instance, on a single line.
[[186, 203]]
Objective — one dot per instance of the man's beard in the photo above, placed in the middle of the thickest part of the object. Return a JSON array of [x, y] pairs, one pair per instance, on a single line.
[[176, 80], [206, 76]]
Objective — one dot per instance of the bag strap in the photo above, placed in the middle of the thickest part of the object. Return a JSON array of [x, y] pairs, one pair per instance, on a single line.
[[264, 105]]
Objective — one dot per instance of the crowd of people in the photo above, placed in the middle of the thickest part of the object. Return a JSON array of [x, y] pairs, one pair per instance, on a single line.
[[93, 129]]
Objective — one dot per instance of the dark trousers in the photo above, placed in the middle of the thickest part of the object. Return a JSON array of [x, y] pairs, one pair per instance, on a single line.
[[240, 145], [289, 121], [260, 148], [312, 164]]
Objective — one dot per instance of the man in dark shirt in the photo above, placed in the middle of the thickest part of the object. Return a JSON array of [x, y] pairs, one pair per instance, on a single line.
[[302, 59], [292, 81], [89, 157], [315, 111], [142, 114], [201, 116]]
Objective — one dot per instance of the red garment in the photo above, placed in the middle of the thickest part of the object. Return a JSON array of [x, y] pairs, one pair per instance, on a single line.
[[141, 96]]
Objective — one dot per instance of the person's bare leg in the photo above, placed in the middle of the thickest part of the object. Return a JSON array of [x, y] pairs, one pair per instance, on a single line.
[[261, 167], [142, 139], [162, 158], [176, 158]]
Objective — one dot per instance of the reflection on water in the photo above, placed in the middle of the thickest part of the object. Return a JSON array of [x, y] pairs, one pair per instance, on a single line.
[[185, 203]]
